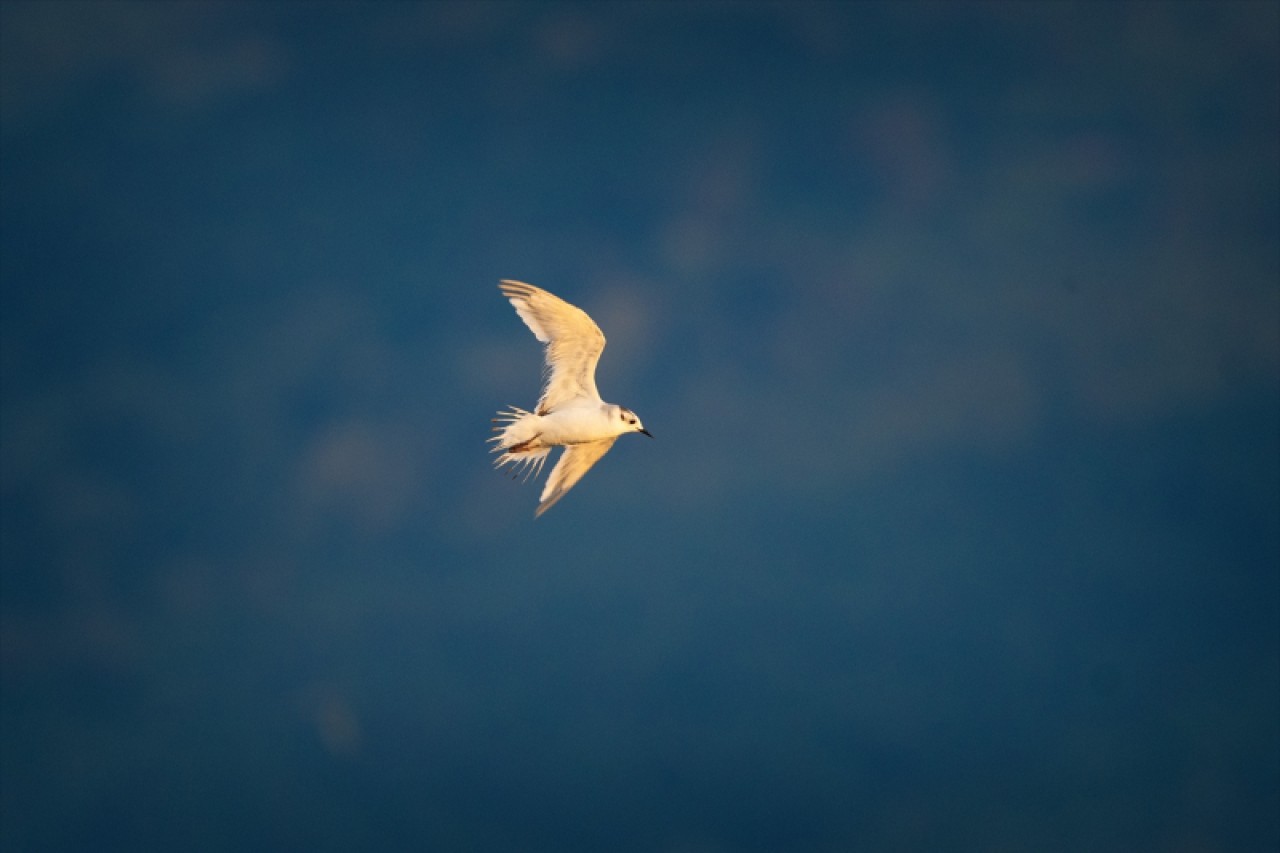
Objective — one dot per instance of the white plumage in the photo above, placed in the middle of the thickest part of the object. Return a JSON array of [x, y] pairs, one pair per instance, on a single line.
[[569, 413]]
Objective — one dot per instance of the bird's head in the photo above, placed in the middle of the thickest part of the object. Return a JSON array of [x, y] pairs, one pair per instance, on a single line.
[[628, 421]]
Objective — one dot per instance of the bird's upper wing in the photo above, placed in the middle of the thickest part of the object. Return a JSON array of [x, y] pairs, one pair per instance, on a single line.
[[576, 460], [574, 343]]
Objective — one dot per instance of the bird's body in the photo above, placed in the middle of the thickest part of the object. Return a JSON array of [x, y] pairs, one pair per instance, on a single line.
[[570, 413]]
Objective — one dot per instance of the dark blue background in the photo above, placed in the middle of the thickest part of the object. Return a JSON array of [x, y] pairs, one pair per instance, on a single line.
[[958, 327]]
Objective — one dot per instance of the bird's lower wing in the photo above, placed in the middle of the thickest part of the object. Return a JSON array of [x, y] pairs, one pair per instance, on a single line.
[[575, 461]]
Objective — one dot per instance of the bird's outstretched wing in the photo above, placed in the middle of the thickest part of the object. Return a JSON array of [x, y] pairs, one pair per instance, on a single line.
[[576, 460], [574, 343]]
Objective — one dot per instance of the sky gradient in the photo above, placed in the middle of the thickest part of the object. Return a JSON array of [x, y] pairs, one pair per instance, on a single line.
[[957, 325]]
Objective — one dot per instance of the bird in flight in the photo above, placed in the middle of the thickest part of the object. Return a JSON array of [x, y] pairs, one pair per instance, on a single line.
[[570, 413]]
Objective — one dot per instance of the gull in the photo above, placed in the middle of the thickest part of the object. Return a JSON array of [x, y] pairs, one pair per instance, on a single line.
[[570, 413]]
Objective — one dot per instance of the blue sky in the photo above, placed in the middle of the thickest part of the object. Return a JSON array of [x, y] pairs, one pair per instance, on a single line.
[[958, 326]]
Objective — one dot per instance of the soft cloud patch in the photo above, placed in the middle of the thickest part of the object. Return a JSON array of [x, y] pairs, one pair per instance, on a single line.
[[188, 54]]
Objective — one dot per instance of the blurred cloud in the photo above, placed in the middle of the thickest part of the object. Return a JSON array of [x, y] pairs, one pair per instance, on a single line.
[[364, 472], [336, 722], [183, 54]]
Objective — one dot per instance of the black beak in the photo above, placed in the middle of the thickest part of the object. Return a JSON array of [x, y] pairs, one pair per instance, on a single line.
[[645, 431]]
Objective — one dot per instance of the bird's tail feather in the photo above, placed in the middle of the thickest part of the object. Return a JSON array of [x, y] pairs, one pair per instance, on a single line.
[[516, 442]]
